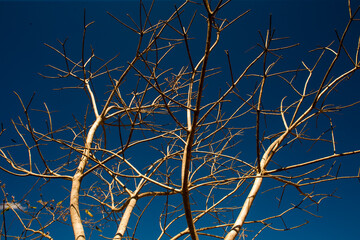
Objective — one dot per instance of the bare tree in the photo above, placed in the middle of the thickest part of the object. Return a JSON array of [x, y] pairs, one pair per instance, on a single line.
[[161, 141]]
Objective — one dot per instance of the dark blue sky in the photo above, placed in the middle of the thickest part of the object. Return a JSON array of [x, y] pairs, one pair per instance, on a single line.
[[26, 25]]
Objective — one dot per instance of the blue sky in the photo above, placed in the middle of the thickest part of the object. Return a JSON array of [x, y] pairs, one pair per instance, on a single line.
[[26, 25]]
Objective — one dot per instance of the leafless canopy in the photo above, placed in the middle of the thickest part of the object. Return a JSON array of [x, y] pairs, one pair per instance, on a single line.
[[182, 146]]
